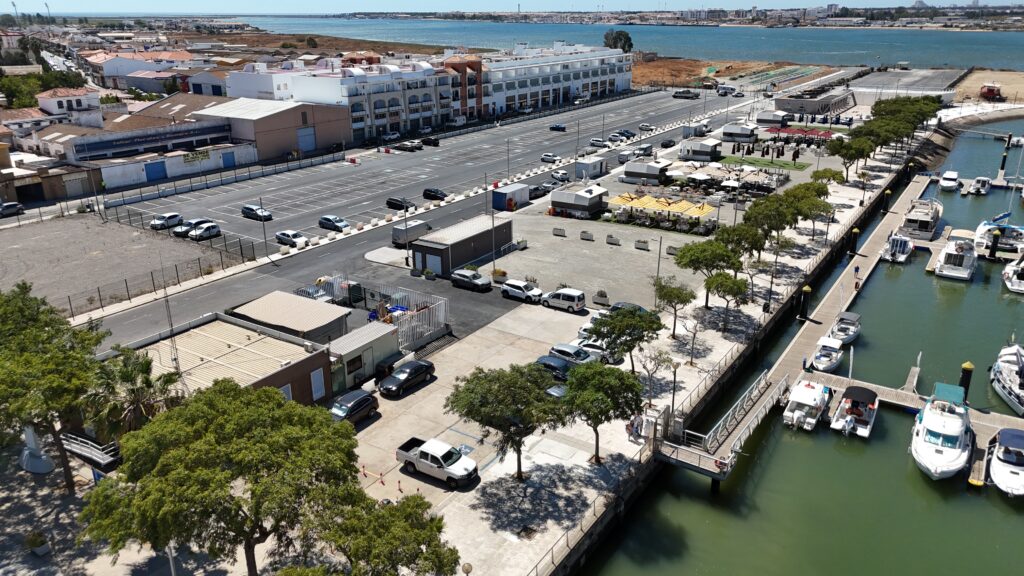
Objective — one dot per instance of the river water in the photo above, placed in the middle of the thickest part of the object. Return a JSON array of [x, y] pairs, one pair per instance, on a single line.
[[804, 504], [923, 48]]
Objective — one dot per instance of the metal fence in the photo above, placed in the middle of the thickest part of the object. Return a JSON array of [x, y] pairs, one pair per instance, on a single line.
[[203, 181], [239, 248]]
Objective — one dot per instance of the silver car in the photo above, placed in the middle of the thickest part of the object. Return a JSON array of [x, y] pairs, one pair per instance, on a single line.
[[165, 221], [571, 353], [470, 279]]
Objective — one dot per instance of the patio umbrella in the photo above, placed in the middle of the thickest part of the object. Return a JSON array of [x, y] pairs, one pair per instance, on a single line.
[[748, 168], [676, 174], [699, 176], [714, 164], [731, 184]]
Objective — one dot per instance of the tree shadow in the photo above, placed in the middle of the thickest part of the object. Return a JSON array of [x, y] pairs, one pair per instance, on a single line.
[[801, 251], [686, 346], [739, 325]]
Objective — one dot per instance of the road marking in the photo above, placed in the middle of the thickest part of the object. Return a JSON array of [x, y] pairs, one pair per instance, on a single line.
[[361, 243]]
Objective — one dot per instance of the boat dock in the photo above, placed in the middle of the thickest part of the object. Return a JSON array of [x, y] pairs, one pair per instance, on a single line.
[[714, 454]]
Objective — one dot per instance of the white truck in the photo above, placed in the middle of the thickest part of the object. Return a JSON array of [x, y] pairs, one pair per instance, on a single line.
[[405, 232], [436, 459], [457, 121]]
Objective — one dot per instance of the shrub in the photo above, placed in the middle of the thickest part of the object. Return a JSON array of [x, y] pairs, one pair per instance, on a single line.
[[473, 267], [532, 279], [499, 272], [35, 539], [601, 294]]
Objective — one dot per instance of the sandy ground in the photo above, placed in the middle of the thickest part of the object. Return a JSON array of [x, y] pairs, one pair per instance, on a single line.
[[1012, 83], [327, 44], [683, 72]]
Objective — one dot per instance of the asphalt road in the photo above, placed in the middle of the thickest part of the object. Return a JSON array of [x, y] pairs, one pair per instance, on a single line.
[[358, 192]]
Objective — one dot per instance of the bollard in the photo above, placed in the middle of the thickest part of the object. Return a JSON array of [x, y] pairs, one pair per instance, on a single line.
[[364, 470], [853, 241], [805, 301], [966, 371], [381, 476], [400, 486], [885, 200], [994, 246]]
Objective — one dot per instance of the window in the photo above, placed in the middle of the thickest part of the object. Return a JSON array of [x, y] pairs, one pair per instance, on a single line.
[[305, 119], [354, 365], [60, 104], [78, 102], [286, 391], [316, 378]]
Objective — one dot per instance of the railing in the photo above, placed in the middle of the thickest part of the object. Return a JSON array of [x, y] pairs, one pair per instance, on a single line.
[[771, 398], [717, 435], [698, 458], [696, 396], [81, 446]]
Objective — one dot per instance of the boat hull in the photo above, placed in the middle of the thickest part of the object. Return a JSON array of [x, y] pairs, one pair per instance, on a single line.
[[1002, 390], [948, 185], [1009, 479], [954, 273]]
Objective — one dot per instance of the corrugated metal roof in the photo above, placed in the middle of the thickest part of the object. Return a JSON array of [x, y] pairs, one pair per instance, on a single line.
[[465, 229], [292, 312], [360, 337], [248, 108]]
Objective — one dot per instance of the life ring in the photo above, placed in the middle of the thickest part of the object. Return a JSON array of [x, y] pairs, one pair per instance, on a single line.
[[721, 465]]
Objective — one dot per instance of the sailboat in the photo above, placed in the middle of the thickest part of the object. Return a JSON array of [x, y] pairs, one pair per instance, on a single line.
[[898, 248], [942, 438]]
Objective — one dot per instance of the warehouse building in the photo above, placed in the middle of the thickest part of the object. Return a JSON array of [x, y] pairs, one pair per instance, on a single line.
[[467, 242]]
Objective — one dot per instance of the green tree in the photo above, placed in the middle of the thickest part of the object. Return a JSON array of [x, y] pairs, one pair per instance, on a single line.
[[383, 539], [673, 296], [171, 86], [743, 239], [311, 42], [727, 288], [707, 258], [652, 361], [771, 215], [127, 395], [625, 329], [509, 403], [826, 175], [47, 366], [805, 202], [618, 39], [8, 21], [596, 394], [233, 466]]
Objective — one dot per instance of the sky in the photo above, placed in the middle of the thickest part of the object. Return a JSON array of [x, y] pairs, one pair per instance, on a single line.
[[328, 6]]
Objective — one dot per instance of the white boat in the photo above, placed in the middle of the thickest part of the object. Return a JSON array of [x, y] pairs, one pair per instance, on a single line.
[[922, 219], [950, 181], [1006, 461], [828, 355], [957, 260], [1013, 276], [1007, 377], [897, 249], [846, 328], [806, 404], [980, 185], [856, 412], [1011, 238], [942, 439]]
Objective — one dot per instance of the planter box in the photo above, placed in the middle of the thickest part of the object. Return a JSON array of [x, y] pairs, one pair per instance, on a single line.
[[415, 272], [430, 276], [584, 235], [613, 240], [41, 550], [600, 300], [499, 279], [642, 245]]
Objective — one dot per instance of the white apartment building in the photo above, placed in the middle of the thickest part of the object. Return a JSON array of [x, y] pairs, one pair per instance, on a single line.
[[259, 81]]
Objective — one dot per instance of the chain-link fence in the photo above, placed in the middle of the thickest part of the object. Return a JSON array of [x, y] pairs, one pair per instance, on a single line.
[[125, 289], [239, 247]]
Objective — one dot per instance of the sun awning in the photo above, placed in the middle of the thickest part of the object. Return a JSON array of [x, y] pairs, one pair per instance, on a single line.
[[731, 184]]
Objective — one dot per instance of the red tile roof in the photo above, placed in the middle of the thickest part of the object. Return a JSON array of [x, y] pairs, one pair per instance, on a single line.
[[66, 92]]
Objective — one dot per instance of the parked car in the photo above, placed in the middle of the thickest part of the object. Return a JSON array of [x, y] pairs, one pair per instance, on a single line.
[[291, 238], [254, 212], [426, 130], [526, 110], [584, 331], [558, 367], [560, 175], [626, 305], [389, 136], [355, 406], [580, 101], [645, 127], [416, 144], [436, 459], [557, 127], [615, 137], [549, 157], [204, 232], [568, 299], [549, 185], [668, 143], [431, 141], [165, 221], [557, 391], [331, 222], [434, 194], [626, 132], [405, 147], [522, 290], [597, 350], [574, 355], [470, 279], [537, 192], [598, 143], [11, 209], [686, 94], [396, 203], [738, 94], [406, 376], [182, 230]]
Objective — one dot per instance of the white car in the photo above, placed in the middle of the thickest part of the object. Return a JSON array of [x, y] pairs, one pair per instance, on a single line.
[[204, 232], [165, 221], [613, 137], [645, 127], [526, 110], [560, 175], [426, 130], [596, 349], [389, 136], [291, 238], [522, 290], [598, 143], [549, 157]]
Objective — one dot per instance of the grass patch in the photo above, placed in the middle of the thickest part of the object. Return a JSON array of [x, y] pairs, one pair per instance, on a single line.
[[758, 162]]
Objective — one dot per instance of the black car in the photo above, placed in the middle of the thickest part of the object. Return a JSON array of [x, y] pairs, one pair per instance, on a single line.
[[434, 194], [557, 127], [400, 204], [430, 141], [355, 406], [406, 376], [668, 143], [558, 368], [405, 147], [624, 305], [686, 94], [627, 133]]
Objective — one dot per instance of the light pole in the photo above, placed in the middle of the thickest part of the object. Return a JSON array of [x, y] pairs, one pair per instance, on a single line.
[[576, 154], [675, 366], [602, 126], [657, 272], [508, 158], [494, 252], [263, 222]]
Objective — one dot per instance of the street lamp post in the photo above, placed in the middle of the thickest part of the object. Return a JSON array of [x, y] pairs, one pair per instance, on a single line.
[[263, 222], [675, 367], [771, 284], [508, 158], [408, 249]]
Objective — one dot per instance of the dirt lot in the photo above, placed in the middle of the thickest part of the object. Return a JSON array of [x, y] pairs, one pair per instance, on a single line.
[[69, 255], [684, 72], [1012, 83], [329, 44]]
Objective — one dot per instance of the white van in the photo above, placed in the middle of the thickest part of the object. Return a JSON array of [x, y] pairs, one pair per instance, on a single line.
[[406, 232], [725, 89], [568, 299], [626, 155]]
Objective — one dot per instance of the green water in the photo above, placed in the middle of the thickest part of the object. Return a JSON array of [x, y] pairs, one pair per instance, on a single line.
[[821, 503]]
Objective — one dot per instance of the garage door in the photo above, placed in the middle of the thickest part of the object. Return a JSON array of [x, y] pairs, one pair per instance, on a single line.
[[307, 139], [228, 158], [156, 171]]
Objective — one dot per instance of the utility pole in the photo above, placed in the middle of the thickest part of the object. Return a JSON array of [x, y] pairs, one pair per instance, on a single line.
[[263, 222], [577, 153], [508, 158], [17, 18], [408, 249]]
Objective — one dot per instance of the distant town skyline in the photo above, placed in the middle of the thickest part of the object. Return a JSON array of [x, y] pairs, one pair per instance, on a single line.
[[273, 7]]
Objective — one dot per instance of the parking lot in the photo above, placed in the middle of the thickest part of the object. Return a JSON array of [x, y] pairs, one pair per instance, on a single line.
[[68, 255], [909, 80]]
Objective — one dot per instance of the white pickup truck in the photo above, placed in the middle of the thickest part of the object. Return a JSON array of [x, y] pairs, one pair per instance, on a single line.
[[437, 459]]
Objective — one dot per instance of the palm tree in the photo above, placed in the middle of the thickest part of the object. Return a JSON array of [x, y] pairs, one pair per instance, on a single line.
[[128, 396]]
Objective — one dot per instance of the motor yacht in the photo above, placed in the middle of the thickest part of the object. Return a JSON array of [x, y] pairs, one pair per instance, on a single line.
[[846, 328], [957, 260], [828, 354], [942, 438], [1013, 276], [898, 248], [1006, 461], [1007, 377], [805, 405], [980, 185], [1011, 238], [949, 181], [922, 219]]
